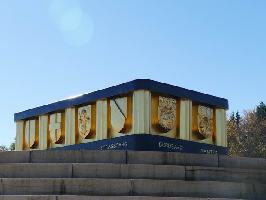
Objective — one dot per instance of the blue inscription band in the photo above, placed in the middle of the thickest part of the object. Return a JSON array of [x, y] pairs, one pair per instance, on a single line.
[[147, 142]]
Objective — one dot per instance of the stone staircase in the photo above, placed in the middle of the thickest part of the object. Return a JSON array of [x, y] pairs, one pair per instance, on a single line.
[[128, 175]]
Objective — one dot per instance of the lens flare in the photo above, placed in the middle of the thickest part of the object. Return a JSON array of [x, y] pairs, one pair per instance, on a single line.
[[74, 24]]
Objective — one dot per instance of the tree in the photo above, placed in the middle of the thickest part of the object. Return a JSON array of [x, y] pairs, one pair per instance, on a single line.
[[233, 137], [3, 148], [12, 146], [261, 112], [247, 133], [237, 120]]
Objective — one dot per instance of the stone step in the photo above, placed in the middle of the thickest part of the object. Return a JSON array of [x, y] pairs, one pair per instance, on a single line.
[[199, 173], [131, 157], [130, 171], [131, 187], [149, 157], [65, 197]]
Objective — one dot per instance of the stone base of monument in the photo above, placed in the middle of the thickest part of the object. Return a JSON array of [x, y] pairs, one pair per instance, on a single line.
[[148, 142], [128, 175]]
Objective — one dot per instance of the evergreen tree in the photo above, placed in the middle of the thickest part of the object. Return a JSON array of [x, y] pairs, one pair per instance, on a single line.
[[261, 112], [237, 120]]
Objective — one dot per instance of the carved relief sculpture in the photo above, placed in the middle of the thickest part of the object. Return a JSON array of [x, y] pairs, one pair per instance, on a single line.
[[31, 131], [202, 124], [167, 113], [55, 128], [84, 121], [205, 121], [120, 115], [164, 117]]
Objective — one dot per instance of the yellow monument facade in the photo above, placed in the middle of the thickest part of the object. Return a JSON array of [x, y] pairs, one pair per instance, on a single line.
[[140, 107]]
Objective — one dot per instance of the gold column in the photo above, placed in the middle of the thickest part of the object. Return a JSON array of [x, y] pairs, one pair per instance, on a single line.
[[19, 135], [185, 119], [43, 132], [221, 132], [101, 120], [141, 112]]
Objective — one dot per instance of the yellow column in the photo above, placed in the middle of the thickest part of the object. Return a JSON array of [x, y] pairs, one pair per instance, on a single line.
[[19, 135], [101, 119], [221, 131], [185, 119], [43, 132], [141, 112], [70, 126]]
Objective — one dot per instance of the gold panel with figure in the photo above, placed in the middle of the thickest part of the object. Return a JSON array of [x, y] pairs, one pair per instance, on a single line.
[[87, 122], [31, 134], [165, 114], [119, 116], [57, 128], [203, 124]]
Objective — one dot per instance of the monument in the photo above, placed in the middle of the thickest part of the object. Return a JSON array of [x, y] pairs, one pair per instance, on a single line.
[[138, 115], [138, 140]]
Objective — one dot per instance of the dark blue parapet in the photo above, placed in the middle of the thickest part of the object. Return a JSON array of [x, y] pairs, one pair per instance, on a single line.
[[138, 84], [147, 142]]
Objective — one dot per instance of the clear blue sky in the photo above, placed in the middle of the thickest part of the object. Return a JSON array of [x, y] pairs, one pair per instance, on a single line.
[[50, 50]]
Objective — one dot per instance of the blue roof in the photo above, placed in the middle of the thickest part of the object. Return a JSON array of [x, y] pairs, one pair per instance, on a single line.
[[138, 84]]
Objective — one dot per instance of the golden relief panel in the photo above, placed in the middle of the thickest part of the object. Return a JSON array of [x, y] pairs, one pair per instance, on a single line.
[[164, 114], [119, 116], [86, 122], [203, 123], [31, 134], [167, 113], [56, 128]]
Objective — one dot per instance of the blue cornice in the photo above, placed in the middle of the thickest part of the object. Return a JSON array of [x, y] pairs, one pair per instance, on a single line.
[[138, 84]]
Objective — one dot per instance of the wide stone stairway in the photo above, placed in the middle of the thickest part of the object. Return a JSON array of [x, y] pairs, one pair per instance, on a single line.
[[128, 175]]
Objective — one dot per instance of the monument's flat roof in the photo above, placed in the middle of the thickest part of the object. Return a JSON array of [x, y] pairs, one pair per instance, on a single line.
[[124, 88]]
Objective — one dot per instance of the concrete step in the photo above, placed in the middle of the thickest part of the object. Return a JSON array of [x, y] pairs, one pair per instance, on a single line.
[[131, 157], [65, 197], [52, 156], [242, 162], [170, 158], [131, 187], [130, 171], [195, 173]]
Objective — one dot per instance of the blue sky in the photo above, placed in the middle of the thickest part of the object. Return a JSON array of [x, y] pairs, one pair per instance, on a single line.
[[53, 49]]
